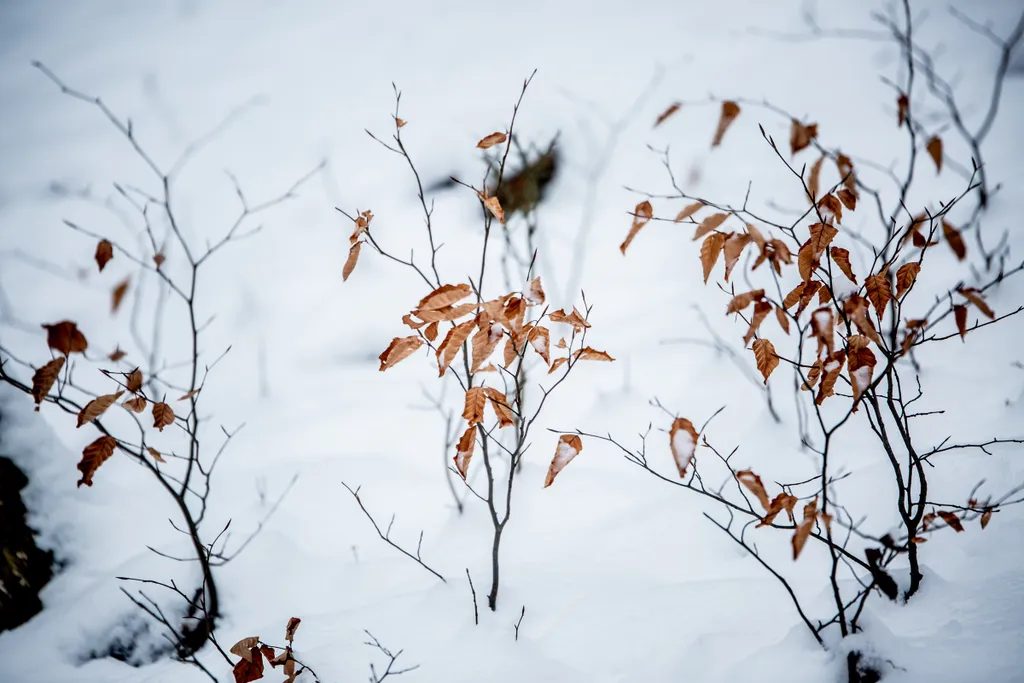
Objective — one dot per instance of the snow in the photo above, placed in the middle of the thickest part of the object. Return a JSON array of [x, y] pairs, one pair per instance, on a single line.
[[621, 576]]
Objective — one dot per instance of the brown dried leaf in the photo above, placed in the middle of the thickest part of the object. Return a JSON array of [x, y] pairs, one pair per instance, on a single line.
[[764, 354], [672, 109], [783, 501], [491, 140], [761, 311], [814, 179], [831, 368], [861, 365], [688, 211], [476, 399], [483, 344], [709, 224], [190, 394], [430, 332], [902, 106], [464, 451], [444, 296], [951, 519], [155, 453], [683, 442], [117, 355], [985, 517], [104, 252], [569, 446], [117, 295], [557, 363], [709, 252], [734, 246], [289, 630], [97, 407], [43, 379], [244, 647], [350, 262], [810, 289], [804, 529], [641, 215], [730, 110], [494, 206], [831, 208], [795, 295], [905, 277], [974, 296], [64, 337], [807, 261], [800, 136], [960, 313], [841, 257], [136, 404], [398, 350], [879, 291], [163, 415], [453, 341], [587, 353], [94, 455], [934, 148], [575, 319], [159, 259], [954, 240], [499, 402], [133, 381], [535, 297], [780, 314], [848, 198], [540, 339], [741, 301], [754, 484], [248, 670], [399, 123]]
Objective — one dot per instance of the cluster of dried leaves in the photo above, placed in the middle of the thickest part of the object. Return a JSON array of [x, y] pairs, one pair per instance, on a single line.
[[252, 652]]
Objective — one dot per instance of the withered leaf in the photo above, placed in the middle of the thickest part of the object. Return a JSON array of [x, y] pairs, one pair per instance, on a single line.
[[764, 354], [985, 517], [803, 530], [491, 140], [117, 295], [97, 407], [104, 252], [831, 207], [43, 379], [754, 484], [783, 501], [879, 291], [499, 402], [94, 455], [905, 277], [954, 240], [156, 454], [960, 313], [587, 353], [431, 331], [800, 136], [709, 224], [398, 350], [683, 442], [814, 179], [974, 296], [848, 198], [399, 123], [540, 339], [641, 215], [934, 148], [709, 251], [688, 211], [159, 259], [569, 446], [444, 296], [861, 364], [133, 381], [741, 301], [672, 109], [64, 337], [951, 519], [761, 311], [535, 297], [248, 670], [289, 630], [117, 355], [464, 451], [163, 415], [494, 206], [734, 246], [902, 106], [557, 363], [190, 394], [575, 319], [453, 341], [350, 262], [244, 647], [476, 399], [841, 257], [730, 110], [780, 314]]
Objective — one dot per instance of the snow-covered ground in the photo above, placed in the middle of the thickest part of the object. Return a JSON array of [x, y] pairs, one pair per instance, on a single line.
[[621, 577]]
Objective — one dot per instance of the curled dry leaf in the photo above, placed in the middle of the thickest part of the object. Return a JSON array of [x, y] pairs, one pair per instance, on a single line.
[[831, 368], [289, 630], [960, 313], [159, 259], [104, 252], [905, 277], [672, 109], [814, 179], [117, 295], [761, 311], [398, 350], [848, 198], [569, 446], [831, 208], [444, 296], [764, 354], [540, 339], [709, 224], [800, 136], [476, 399], [94, 455], [683, 441], [43, 379], [483, 344], [350, 262], [804, 529], [783, 501], [587, 353], [879, 291], [641, 216], [741, 301], [117, 355], [557, 363], [535, 297], [974, 296], [688, 211], [494, 206], [861, 364], [187, 396], [244, 647], [951, 519], [360, 225], [954, 240], [97, 407], [464, 451], [754, 484], [934, 148], [709, 251], [133, 381], [453, 341], [156, 454], [64, 337], [248, 670], [491, 140], [430, 332], [499, 402], [841, 257], [985, 517], [902, 107], [730, 110], [578, 322], [780, 314], [734, 246], [163, 415], [400, 123]]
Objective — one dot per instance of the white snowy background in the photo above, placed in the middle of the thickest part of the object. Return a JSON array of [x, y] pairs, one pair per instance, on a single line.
[[621, 577]]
